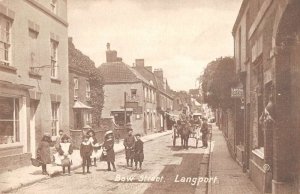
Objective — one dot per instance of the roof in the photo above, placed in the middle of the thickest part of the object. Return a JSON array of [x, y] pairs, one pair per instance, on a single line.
[[119, 72], [240, 15], [148, 75]]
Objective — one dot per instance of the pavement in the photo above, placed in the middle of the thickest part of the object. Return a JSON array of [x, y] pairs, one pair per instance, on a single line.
[[230, 178], [25, 176]]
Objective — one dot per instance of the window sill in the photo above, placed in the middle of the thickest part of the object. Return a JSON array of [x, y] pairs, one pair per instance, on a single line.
[[259, 152], [8, 69], [55, 80], [34, 75], [10, 145]]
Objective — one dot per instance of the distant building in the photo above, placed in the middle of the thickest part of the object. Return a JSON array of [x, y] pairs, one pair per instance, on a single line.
[[33, 82], [129, 97]]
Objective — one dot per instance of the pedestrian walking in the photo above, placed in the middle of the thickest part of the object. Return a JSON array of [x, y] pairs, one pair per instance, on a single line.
[[43, 152], [65, 151], [86, 150], [204, 131], [129, 142], [138, 152], [108, 153], [96, 147]]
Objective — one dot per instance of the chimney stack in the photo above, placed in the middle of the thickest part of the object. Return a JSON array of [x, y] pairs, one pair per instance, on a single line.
[[111, 55], [159, 74], [139, 62]]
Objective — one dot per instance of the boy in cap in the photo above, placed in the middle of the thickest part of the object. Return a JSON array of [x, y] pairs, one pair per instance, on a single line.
[[129, 142]]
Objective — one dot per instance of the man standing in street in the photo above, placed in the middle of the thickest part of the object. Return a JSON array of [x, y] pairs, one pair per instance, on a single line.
[[204, 131], [129, 142]]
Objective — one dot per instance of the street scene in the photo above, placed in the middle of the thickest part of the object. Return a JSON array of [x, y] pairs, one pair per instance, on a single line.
[[151, 96]]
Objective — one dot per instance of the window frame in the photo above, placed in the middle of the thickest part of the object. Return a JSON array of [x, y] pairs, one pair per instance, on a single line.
[[15, 138], [76, 87], [6, 44], [53, 59], [55, 118], [88, 90]]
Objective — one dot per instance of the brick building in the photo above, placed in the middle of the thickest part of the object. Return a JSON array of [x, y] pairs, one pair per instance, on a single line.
[[33, 64], [266, 34]]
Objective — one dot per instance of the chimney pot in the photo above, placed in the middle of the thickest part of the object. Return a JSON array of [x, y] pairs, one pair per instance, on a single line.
[[108, 46]]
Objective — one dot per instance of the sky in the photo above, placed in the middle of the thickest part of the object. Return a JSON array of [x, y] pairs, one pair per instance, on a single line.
[[179, 36]]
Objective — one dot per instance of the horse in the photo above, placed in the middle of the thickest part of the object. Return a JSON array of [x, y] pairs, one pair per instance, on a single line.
[[185, 134]]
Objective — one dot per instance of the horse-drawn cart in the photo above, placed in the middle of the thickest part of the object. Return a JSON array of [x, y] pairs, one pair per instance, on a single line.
[[186, 131]]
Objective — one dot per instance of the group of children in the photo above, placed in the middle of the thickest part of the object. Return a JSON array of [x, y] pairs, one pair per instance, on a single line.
[[89, 151]]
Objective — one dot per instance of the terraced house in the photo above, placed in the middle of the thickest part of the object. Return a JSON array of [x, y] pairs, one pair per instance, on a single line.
[[266, 138], [33, 76], [133, 94]]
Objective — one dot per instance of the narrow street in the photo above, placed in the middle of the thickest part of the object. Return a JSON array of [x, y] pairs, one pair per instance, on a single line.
[[162, 161]]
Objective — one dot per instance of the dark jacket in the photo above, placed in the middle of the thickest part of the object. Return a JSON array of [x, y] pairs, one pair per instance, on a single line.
[[204, 128], [108, 146], [43, 151], [86, 150], [129, 141], [139, 151]]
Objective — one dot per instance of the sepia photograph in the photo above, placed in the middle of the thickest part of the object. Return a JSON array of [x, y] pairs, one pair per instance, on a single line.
[[150, 96]]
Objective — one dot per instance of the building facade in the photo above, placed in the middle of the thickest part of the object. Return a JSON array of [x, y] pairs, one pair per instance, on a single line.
[[266, 35], [128, 93], [33, 85]]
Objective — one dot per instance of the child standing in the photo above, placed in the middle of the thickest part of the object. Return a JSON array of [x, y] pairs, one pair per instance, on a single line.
[[138, 152], [108, 153], [65, 150], [129, 145], [43, 152], [96, 146], [86, 150]]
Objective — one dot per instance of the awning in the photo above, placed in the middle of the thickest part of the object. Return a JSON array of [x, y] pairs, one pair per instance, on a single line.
[[80, 105]]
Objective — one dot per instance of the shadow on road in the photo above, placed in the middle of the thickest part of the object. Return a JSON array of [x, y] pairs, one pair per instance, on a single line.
[[189, 167]]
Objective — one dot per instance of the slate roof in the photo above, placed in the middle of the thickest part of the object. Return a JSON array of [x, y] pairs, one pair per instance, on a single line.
[[119, 72]]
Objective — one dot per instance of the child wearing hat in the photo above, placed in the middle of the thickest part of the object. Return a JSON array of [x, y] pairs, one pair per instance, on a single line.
[[108, 153], [43, 152], [138, 152], [86, 150], [65, 150]]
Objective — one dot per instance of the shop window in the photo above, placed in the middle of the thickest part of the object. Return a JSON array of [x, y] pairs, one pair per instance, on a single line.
[[54, 118], [5, 26], [9, 120], [119, 118]]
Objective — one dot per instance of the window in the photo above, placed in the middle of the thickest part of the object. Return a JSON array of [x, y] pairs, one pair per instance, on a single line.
[[54, 66], [76, 88], [54, 118], [4, 41], [53, 5], [9, 120], [88, 118], [33, 51], [88, 90], [133, 94]]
